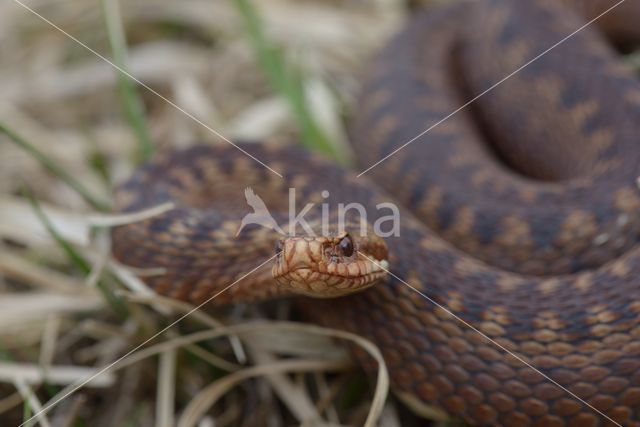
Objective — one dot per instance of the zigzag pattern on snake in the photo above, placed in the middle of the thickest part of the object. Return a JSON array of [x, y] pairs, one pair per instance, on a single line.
[[520, 213]]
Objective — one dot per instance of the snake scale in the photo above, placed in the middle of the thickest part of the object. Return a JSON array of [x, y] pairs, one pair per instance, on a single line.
[[520, 214]]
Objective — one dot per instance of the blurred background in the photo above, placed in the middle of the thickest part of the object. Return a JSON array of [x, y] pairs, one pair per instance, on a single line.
[[72, 127]]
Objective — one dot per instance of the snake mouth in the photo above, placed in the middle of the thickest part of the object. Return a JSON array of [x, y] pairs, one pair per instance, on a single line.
[[307, 281], [318, 282]]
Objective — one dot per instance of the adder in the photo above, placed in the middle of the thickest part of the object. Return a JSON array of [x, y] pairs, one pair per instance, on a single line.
[[519, 215]]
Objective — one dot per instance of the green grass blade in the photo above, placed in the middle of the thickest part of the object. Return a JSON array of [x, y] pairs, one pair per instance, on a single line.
[[76, 259], [55, 169], [132, 104], [286, 80], [116, 303], [27, 413]]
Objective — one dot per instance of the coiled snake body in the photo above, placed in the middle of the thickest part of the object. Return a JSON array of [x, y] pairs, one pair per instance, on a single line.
[[524, 222]]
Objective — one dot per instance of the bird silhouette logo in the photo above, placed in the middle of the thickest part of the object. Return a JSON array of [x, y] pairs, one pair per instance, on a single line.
[[260, 215]]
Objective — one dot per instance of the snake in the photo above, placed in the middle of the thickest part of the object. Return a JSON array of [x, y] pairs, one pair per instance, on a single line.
[[505, 287]]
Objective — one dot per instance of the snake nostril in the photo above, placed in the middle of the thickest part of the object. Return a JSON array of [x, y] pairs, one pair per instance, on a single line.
[[278, 247]]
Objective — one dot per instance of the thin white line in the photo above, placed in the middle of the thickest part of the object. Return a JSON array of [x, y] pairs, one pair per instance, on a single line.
[[467, 324], [109, 366], [126, 73], [491, 88]]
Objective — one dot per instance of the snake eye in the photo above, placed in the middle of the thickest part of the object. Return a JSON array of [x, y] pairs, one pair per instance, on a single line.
[[278, 247], [346, 246]]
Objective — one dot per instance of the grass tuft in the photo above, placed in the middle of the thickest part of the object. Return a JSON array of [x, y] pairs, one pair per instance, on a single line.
[[55, 169], [287, 80], [129, 98], [77, 260]]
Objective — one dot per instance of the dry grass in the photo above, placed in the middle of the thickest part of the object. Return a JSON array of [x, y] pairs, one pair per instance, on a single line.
[[66, 308]]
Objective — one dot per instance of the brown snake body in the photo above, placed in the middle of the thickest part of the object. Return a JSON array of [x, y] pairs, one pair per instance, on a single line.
[[525, 214]]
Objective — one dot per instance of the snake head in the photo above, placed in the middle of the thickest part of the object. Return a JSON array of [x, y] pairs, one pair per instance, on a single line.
[[330, 266]]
